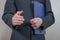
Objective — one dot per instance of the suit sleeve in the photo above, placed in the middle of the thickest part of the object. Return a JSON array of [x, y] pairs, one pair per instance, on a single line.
[[49, 19], [9, 11]]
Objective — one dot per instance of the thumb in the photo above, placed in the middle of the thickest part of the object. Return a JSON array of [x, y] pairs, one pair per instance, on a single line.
[[19, 12]]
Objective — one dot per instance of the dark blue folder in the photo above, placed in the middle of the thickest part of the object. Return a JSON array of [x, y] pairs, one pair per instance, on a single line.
[[38, 12]]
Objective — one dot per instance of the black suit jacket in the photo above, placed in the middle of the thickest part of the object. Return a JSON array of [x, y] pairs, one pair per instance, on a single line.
[[24, 31]]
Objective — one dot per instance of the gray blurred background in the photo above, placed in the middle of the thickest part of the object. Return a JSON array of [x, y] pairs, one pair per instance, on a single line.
[[52, 33]]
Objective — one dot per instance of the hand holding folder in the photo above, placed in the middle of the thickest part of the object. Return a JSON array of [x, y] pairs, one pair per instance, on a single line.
[[38, 12]]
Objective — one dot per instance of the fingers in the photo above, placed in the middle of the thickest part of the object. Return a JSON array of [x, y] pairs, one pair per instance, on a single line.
[[18, 22], [34, 26], [33, 21], [17, 19], [36, 22], [19, 12]]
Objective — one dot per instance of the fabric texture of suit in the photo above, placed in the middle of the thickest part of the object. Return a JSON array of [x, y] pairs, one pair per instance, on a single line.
[[24, 31]]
